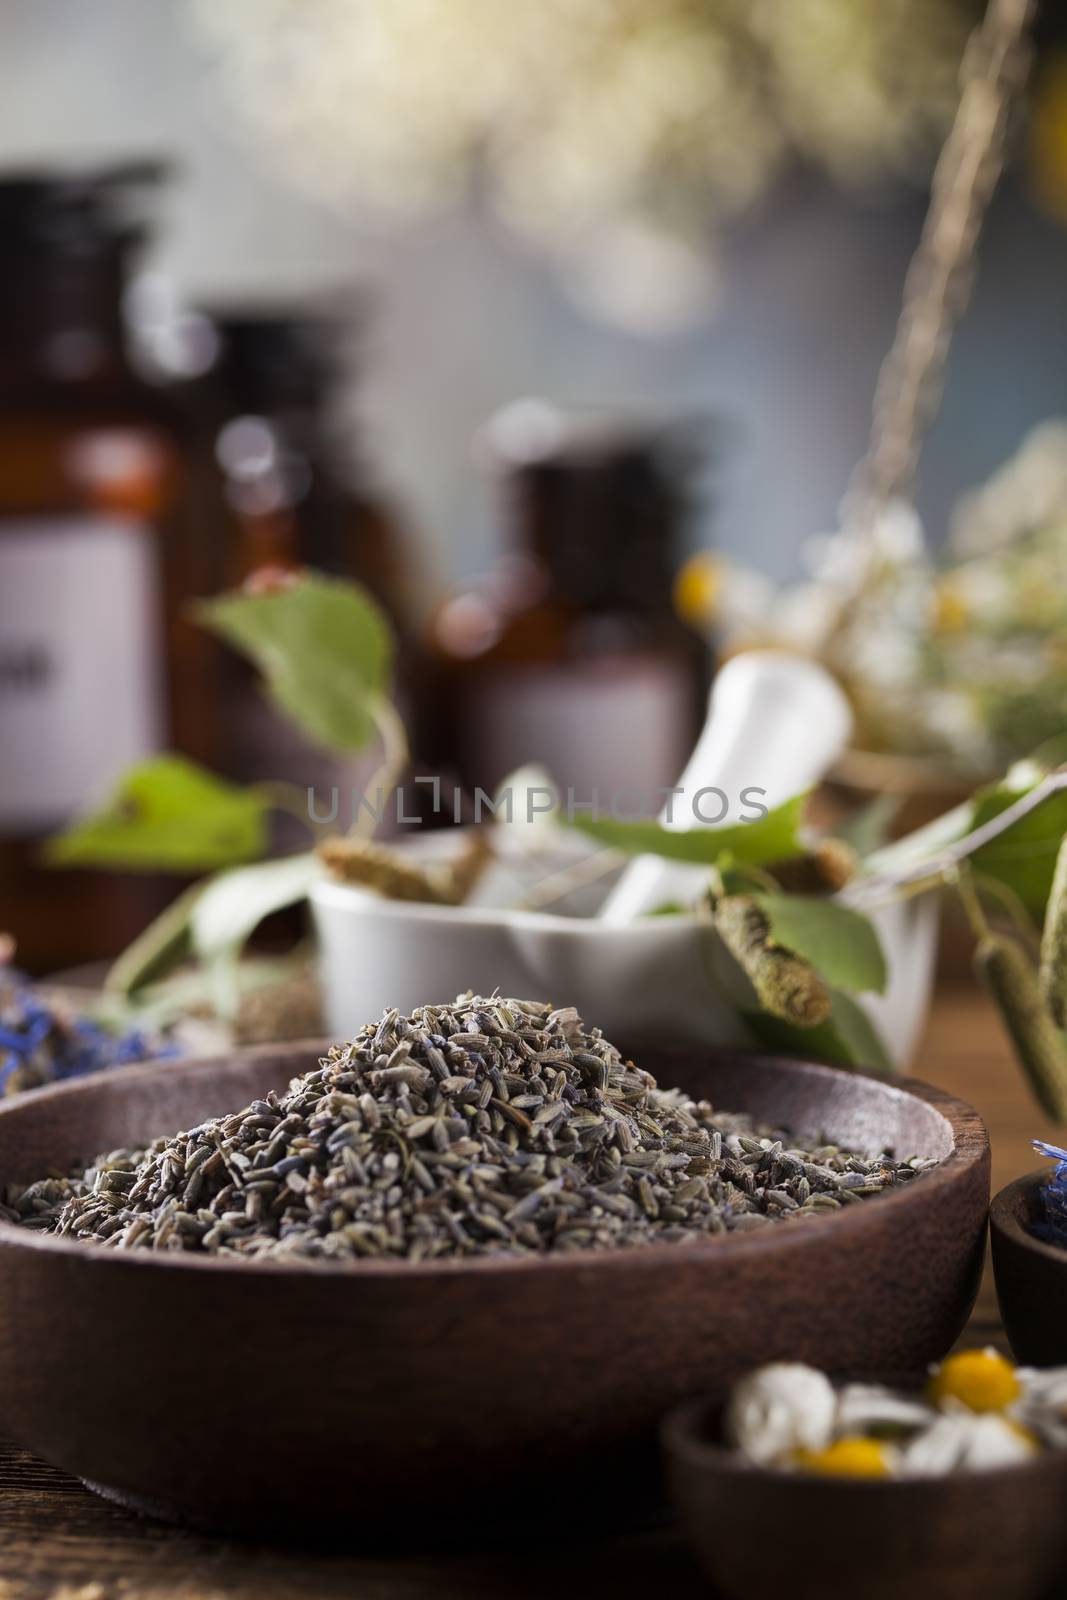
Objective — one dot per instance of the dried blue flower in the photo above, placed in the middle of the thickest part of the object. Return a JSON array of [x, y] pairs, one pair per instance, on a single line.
[[1053, 1196], [42, 1042]]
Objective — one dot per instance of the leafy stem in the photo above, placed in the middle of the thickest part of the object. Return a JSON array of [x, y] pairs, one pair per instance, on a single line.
[[880, 887], [291, 799], [962, 880], [396, 754]]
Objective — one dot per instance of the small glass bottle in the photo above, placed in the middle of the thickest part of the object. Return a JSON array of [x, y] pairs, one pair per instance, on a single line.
[[570, 653], [293, 497], [98, 665]]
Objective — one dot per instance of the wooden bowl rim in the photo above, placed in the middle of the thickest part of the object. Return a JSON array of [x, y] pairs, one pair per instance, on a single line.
[[970, 1150], [683, 1440], [1008, 1217]]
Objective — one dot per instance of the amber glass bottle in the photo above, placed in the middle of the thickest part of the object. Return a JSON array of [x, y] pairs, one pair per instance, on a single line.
[[97, 666], [294, 494], [570, 654]]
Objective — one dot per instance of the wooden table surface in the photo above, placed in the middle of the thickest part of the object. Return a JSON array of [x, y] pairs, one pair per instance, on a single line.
[[59, 1541]]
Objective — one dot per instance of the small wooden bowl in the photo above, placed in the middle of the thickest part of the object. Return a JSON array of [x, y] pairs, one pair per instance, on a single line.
[[256, 1394], [1031, 1275], [968, 1536]]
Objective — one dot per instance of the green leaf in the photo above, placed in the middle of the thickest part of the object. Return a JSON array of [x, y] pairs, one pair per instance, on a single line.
[[168, 814], [923, 842], [868, 829], [858, 1035], [191, 991], [1023, 858], [233, 905], [847, 1038], [840, 944], [774, 837], [323, 646]]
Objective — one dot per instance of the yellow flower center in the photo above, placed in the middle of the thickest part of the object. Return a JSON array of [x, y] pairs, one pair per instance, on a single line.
[[850, 1457], [950, 608], [698, 588], [979, 1379]]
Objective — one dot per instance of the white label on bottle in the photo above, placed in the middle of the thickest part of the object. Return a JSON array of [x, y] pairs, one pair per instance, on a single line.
[[79, 663], [616, 725]]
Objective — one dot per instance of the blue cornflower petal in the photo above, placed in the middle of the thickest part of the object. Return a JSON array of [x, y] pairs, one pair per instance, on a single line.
[[54, 1045], [1052, 1227]]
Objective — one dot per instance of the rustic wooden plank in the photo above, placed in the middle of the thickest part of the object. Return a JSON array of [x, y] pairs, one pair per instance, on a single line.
[[56, 1537], [54, 1532]]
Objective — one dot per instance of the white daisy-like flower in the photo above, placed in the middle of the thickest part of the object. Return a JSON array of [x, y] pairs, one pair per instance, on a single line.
[[968, 1441], [1042, 1406], [862, 1407], [780, 1409]]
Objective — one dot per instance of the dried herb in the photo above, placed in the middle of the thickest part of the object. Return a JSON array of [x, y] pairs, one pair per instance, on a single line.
[[1007, 973], [482, 1127], [399, 877], [1054, 943], [787, 986], [43, 1041], [830, 865]]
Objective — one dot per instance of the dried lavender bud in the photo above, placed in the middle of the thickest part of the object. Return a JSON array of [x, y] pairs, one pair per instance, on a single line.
[[469, 1129], [787, 986], [1005, 969], [1054, 943]]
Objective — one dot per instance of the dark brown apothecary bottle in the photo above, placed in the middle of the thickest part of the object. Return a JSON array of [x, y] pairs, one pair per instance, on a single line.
[[99, 666], [570, 653], [292, 493]]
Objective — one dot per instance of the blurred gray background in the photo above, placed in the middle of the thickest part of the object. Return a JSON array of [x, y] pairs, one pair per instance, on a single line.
[[465, 318]]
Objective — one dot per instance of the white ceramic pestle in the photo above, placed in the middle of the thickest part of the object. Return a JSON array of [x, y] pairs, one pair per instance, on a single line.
[[775, 723]]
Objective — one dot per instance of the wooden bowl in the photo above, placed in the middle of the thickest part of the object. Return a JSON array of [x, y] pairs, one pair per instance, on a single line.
[[252, 1395], [968, 1536], [1031, 1275]]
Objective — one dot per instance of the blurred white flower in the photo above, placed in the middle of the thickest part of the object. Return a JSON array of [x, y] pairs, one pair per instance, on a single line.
[[803, 614], [1042, 1406], [580, 114], [862, 1407], [779, 1409], [962, 1439], [965, 662], [1027, 492]]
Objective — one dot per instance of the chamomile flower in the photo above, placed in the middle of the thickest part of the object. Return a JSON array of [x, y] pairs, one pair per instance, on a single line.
[[963, 1440], [980, 1380], [852, 1456], [779, 1410]]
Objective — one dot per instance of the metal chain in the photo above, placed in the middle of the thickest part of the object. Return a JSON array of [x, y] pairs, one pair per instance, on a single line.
[[937, 288]]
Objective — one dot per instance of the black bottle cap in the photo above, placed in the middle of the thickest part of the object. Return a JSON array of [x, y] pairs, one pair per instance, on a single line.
[[76, 210]]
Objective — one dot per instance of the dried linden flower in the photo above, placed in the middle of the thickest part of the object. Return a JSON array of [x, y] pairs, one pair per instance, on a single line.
[[779, 1410], [848, 1457], [981, 1380]]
